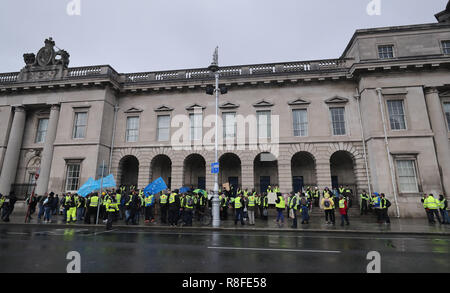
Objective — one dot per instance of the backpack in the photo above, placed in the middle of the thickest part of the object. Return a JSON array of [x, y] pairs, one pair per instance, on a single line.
[[388, 203], [326, 203], [189, 201]]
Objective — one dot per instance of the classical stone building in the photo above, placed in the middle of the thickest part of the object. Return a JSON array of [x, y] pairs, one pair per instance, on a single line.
[[377, 118]]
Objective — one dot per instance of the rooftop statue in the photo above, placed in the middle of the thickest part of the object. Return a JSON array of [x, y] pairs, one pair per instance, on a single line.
[[47, 56]]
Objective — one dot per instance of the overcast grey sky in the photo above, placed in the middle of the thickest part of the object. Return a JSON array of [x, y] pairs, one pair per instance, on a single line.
[[151, 35]]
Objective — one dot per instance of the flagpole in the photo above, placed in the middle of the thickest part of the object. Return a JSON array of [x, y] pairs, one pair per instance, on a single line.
[[101, 187]]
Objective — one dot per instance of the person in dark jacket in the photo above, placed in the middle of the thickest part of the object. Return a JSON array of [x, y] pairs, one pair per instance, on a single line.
[[48, 204], [8, 206]]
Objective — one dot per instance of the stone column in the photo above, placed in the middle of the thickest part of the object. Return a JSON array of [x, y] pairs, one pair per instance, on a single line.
[[285, 177], [247, 176], [9, 169], [323, 172], [177, 176], [438, 124], [47, 153]]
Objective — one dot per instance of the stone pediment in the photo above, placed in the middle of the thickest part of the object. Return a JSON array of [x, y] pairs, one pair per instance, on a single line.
[[229, 105], [299, 102], [163, 108], [336, 100], [133, 110], [195, 106], [263, 103]]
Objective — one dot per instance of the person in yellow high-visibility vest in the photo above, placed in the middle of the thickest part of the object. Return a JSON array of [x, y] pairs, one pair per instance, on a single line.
[[432, 205], [163, 204], [280, 204], [111, 207], [251, 209], [238, 209]]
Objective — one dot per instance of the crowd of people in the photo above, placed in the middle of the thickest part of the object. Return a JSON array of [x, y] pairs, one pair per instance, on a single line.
[[174, 208]]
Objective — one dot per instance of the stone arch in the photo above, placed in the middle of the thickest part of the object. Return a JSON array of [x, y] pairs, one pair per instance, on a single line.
[[303, 147], [128, 170], [343, 167], [161, 166], [230, 169], [194, 171], [265, 171], [303, 170]]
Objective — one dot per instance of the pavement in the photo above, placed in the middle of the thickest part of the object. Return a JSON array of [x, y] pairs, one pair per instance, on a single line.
[[358, 224]]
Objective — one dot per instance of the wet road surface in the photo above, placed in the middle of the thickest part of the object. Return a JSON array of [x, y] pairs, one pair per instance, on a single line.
[[35, 249]]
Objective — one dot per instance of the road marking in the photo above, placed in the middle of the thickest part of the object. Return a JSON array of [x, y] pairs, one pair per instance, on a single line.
[[273, 235], [274, 249], [17, 233]]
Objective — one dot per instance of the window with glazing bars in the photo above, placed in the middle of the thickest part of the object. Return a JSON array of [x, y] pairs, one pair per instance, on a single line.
[[386, 51], [196, 121], [446, 47], [407, 179], [264, 124], [132, 129], [229, 125], [163, 127], [396, 114], [300, 120], [338, 120], [79, 128], [42, 130], [73, 176]]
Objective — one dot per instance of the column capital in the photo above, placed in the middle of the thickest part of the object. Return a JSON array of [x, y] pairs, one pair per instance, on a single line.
[[55, 106], [18, 108], [431, 90]]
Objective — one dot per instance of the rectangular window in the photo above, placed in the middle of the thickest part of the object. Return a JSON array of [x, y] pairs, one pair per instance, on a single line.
[[163, 127], [229, 125], [264, 124], [447, 113], [446, 47], [338, 120], [132, 134], [196, 121], [386, 52], [73, 176], [396, 114], [407, 179], [42, 130], [300, 120], [79, 127]]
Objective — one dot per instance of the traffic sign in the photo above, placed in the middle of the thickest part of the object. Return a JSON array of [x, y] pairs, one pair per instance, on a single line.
[[214, 168]]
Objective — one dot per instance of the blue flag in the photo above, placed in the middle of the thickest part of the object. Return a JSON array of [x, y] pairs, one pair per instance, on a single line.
[[155, 187], [108, 182], [184, 189], [87, 187]]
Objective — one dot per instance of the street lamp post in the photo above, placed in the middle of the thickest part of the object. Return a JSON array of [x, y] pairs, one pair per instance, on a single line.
[[214, 67]]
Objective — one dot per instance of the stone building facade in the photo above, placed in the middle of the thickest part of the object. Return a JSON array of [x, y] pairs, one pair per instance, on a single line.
[[377, 118]]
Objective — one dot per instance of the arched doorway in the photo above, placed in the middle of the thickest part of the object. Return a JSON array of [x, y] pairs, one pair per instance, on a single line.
[[265, 171], [161, 166], [303, 170], [342, 170], [194, 172], [129, 171], [230, 170]]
